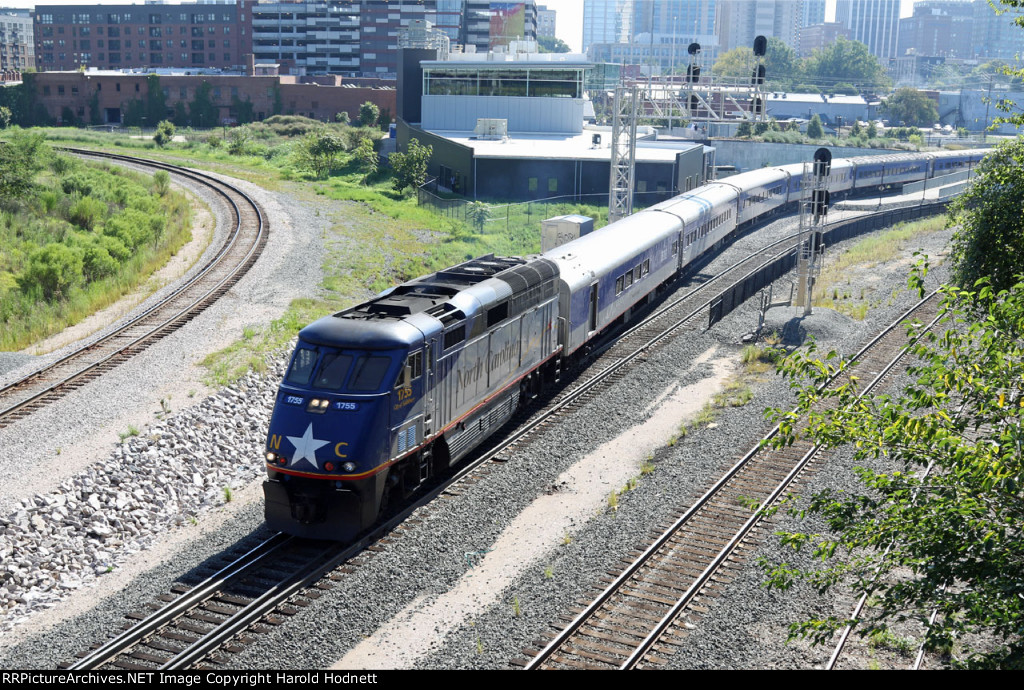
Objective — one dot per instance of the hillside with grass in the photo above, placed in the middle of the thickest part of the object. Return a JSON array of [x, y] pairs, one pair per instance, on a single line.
[[76, 236], [380, 235]]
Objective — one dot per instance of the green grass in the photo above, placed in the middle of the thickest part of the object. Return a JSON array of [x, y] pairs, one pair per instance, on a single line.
[[833, 285], [77, 206], [379, 238], [886, 639]]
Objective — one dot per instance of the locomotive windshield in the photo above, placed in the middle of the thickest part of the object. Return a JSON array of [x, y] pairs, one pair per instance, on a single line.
[[333, 370], [302, 366], [369, 373], [356, 372]]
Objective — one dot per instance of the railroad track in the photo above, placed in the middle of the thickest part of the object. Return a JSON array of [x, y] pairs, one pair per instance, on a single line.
[[196, 626], [245, 241], [645, 610]]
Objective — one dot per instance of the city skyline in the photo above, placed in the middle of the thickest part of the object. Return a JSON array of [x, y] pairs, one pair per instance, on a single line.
[[568, 26]]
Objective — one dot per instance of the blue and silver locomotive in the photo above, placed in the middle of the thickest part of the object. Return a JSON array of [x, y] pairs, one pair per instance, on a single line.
[[379, 397], [382, 396]]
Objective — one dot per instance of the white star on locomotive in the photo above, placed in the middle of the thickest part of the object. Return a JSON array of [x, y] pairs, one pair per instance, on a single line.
[[305, 446]]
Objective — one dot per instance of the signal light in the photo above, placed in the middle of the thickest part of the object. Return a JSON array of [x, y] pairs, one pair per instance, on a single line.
[[329, 466]]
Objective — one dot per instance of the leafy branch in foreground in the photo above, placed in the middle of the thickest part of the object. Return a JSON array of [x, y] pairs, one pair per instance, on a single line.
[[956, 529]]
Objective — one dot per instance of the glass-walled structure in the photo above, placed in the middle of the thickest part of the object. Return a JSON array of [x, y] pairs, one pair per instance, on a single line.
[[548, 82], [533, 92]]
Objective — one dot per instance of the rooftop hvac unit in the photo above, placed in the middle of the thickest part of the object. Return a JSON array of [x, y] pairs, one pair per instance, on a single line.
[[491, 128]]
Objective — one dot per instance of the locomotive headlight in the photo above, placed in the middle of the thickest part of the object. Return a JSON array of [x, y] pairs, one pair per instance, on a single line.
[[271, 457], [348, 466], [324, 402]]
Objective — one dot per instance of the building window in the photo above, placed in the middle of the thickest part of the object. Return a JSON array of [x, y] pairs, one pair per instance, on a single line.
[[552, 184], [533, 184]]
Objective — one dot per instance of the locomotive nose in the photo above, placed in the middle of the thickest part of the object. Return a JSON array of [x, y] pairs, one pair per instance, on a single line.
[[324, 436]]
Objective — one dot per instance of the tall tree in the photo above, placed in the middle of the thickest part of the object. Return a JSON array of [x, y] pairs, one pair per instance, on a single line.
[[845, 61], [550, 44], [989, 240], [911, 107], [782, 67], [410, 168], [368, 114], [21, 157]]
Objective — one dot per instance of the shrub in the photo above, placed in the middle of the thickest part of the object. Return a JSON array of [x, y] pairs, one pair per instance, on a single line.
[[164, 133], [86, 212], [53, 269]]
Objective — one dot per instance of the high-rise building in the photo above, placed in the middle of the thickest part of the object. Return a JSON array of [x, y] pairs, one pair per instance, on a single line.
[[689, 17], [995, 36], [740, 21], [938, 28], [874, 23], [663, 29], [317, 37], [606, 21], [17, 44], [488, 24], [812, 12], [545, 22], [818, 36]]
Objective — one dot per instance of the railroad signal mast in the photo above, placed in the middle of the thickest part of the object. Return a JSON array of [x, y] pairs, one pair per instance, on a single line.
[[623, 152], [758, 102], [814, 200]]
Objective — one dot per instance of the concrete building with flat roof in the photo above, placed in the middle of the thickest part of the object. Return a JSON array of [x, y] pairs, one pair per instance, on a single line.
[[510, 126]]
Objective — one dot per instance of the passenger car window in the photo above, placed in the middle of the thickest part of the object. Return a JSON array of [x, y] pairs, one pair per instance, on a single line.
[[333, 371], [302, 365], [369, 373]]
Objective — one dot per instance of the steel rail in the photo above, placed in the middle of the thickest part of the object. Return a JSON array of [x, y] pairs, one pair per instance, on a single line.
[[182, 605], [233, 273], [610, 590]]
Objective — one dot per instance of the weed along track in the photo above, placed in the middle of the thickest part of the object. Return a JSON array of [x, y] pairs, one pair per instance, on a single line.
[[245, 240], [642, 612]]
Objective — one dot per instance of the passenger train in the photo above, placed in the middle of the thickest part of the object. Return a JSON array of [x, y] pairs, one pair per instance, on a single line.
[[382, 396]]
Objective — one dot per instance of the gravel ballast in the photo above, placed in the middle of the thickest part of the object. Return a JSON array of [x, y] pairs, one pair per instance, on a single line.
[[175, 473]]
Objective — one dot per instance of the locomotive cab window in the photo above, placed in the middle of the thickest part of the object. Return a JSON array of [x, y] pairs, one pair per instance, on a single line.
[[333, 371], [368, 374], [411, 370], [302, 366]]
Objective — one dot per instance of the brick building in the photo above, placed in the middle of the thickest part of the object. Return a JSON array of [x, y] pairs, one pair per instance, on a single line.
[[143, 36], [105, 97]]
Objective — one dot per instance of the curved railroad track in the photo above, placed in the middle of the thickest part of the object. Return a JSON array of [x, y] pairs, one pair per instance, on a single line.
[[643, 612], [245, 240]]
